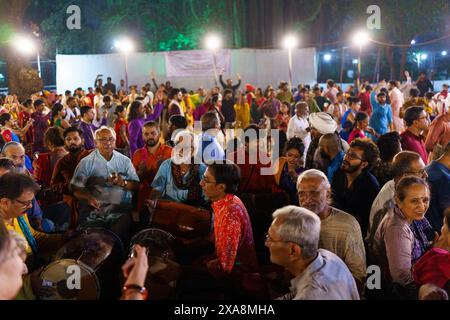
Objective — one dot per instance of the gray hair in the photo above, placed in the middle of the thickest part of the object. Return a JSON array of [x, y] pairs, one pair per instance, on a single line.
[[301, 226], [105, 128], [11, 144], [313, 174]]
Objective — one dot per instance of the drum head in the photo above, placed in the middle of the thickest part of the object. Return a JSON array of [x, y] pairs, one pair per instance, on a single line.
[[68, 279], [92, 247], [159, 243]]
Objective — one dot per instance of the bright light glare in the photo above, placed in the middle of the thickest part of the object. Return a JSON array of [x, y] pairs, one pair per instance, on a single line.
[[423, 56], [444, 53], [290, 42], [360, 38], [124, 45], [413, 42], [355, 61], [327, 57], [24, 44], [213, 42]]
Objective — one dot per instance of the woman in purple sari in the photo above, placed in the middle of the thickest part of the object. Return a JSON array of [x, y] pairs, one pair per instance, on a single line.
[[136, 120]]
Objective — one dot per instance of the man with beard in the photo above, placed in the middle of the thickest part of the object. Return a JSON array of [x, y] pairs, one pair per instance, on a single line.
[[16, 152], [354, 187], [340, 233], [176, 97], [147, 160], [330, 149], [65, 167]]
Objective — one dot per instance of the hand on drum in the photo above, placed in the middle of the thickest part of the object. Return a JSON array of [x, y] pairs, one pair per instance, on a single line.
[[91, 201], [136, 268], [214, 268]]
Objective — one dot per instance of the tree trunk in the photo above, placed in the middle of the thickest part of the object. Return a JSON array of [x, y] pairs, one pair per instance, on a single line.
[[22, 80], [402, 63]]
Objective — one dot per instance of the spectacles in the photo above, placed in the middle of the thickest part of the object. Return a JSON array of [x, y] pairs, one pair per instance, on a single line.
[[354, 156], [270, 240], [106, 140], [25, 204], [207, 181]]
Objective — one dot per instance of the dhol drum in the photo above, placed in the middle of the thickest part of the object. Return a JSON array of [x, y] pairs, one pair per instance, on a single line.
[[88, 267], [179, 219], [163, 271]]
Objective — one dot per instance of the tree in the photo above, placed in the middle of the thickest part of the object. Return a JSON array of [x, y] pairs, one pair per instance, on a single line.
[[22, 80]]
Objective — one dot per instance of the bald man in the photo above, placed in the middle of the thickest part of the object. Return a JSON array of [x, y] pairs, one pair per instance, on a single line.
[[16, 152], [330, 150]]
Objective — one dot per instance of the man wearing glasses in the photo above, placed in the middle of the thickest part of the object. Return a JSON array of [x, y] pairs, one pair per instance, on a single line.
[[293, 242], [353, 187], [417, 121], [16, 197], [235, 254], [103, 183]]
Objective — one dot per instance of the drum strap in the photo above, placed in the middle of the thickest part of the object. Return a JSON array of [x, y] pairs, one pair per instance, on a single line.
[[27, 233]]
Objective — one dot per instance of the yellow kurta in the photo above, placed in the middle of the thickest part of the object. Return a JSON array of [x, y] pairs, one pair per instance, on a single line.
[[242, 115], [47, 244]]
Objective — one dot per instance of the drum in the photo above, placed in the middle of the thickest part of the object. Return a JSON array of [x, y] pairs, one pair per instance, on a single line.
[[163, 271], [179, 219], [86, 268]]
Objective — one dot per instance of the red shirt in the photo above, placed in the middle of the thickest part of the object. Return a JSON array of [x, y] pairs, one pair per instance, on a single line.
[[433, 267], [252, 179], [365, 102], [119, 141], [152, 163], [233, 235], [411, 142]]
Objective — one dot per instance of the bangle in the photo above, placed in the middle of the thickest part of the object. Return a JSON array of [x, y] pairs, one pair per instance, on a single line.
[[141, 290], [125, 183]]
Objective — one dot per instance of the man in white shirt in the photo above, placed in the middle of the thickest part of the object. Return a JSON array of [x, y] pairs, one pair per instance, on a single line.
[[293, 242], [72, 111], [298, 125], [210, 149]]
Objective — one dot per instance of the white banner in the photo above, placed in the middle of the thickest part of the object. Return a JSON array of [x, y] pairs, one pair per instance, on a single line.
[[197, 63]]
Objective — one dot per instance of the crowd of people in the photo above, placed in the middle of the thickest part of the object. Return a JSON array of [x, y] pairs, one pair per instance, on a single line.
[[361, 178]]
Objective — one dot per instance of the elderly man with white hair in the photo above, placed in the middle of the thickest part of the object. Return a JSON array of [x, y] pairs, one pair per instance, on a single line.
[[178, 178], [293, 242], [103, 183], [340, 232]]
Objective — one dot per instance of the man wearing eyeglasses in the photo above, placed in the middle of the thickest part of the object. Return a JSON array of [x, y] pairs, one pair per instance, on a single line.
[[293, 242], [417, 121], [16, 197], [235, 247], [103, 183], [354, 187]]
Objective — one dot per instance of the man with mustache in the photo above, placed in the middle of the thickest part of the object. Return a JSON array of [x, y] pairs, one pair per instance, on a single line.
[[354, 187], [147, 160], [65, 167], [339, 231]]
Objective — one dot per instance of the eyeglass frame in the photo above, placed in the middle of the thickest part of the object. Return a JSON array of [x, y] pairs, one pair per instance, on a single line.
[[268, 239], [23, 203]]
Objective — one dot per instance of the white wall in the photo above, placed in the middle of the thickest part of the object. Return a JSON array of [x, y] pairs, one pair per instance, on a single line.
[[258, 67]]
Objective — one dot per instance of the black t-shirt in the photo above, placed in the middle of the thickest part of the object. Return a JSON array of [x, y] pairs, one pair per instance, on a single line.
[[358, 199]]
